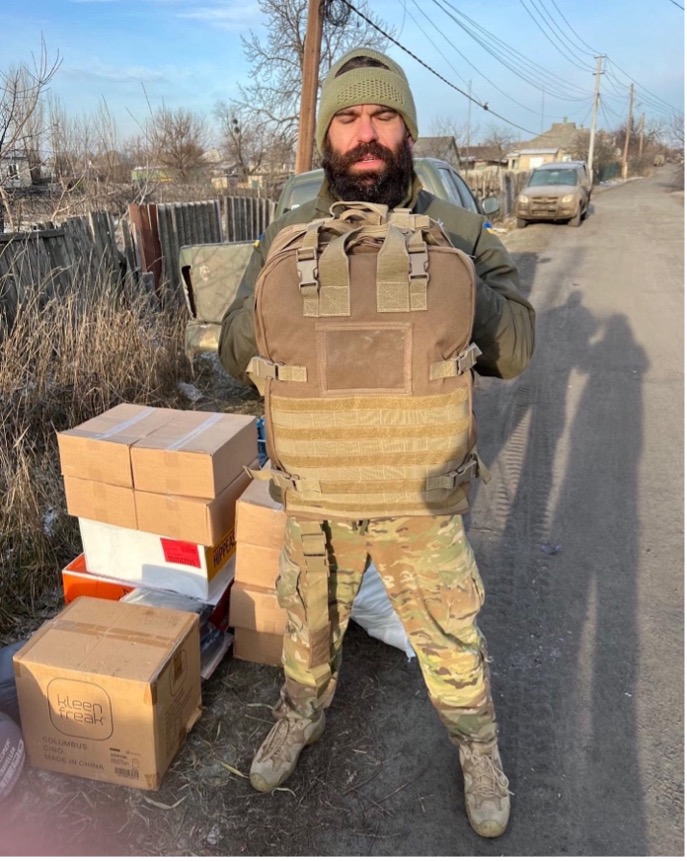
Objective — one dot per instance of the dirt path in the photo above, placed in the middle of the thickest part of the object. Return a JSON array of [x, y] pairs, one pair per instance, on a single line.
[[579, 539]]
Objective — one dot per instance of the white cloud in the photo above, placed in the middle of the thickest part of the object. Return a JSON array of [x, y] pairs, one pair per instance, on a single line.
[[224, 15]]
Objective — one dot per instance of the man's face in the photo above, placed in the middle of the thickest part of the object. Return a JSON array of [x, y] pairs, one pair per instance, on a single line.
[[367, 155]]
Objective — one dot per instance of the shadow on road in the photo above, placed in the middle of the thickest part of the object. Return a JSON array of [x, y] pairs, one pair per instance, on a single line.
[[561, 565]]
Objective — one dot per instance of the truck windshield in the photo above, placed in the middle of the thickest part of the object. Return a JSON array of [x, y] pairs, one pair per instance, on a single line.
[[553, 177]]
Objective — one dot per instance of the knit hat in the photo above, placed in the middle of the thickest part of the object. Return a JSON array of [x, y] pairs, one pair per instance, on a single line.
[[365, 85]]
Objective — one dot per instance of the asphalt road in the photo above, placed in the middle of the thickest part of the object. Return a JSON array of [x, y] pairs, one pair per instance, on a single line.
[[580, 533]]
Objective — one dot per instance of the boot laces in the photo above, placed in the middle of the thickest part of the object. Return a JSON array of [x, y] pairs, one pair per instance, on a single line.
[[488, 779]]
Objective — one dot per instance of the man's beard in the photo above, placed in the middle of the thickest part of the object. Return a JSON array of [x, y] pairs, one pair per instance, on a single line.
[[388, 186]]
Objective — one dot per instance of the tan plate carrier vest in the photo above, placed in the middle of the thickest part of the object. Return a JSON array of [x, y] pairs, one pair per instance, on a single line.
[[363, 324]]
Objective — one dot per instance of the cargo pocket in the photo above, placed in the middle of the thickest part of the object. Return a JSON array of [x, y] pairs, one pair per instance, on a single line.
[[289, 593]]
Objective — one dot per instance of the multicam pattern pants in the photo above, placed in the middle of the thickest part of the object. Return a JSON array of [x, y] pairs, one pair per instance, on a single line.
[[430, 574]]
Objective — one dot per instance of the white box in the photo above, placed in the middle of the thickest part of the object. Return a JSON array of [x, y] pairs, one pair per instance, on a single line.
[[153, 560]]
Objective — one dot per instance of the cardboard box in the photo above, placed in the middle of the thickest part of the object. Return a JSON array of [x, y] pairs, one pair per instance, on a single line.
[[256, 609], [259, 519], [98, 449], [98, 501], [109, 690], [147, 559], [189, 518], [196, 454], [257, 565], [258, 646]]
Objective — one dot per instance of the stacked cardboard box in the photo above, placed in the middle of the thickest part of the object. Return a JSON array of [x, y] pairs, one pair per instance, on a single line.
[[155, 493], [258, 620]]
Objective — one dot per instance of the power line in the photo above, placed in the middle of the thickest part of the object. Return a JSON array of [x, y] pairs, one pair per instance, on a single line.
[[678, 5], [386, 35], [536, 76], [472, 65], [562, 53]]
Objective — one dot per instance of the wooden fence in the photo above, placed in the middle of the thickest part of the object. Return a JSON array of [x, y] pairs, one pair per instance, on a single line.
[[141, 252], [48, 262], [505, 185]]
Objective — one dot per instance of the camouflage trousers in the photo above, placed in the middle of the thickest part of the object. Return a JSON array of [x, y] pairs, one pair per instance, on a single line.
[[430, 574]]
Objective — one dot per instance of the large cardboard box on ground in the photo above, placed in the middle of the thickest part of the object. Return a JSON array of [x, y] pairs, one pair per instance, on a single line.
[[256, 609], [149, 559], [99, 449], [195, 454], [109, 690], [259, 647]]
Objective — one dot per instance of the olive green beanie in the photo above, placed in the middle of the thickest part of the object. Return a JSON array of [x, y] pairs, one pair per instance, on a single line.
[[365, 85]]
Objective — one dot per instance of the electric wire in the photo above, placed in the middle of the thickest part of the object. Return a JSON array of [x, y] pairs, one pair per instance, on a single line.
[[546, 35], [484, 106], [472, 65], [535, 75]]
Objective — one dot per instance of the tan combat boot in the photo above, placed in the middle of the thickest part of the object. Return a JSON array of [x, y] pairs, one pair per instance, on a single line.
[[487, 799], [278, 754]]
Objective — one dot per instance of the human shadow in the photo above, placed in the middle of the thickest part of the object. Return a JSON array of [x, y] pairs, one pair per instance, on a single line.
[[561, 613]]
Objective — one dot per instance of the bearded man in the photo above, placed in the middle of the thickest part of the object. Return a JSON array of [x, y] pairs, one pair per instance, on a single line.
[[366, 128]]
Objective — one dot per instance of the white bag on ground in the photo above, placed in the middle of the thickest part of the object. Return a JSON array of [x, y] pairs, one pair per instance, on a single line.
[[372, 610]]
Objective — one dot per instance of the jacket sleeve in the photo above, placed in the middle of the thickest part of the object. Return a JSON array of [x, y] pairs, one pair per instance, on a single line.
[[236, 344], [504, 319]]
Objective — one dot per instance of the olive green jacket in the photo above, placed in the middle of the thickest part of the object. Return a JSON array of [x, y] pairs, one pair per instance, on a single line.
[[504, 319]]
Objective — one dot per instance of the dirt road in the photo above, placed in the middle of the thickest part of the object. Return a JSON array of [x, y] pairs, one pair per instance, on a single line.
[[579, 539]]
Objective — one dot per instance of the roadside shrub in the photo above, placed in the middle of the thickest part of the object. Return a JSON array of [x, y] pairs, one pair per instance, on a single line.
[[63, 361]]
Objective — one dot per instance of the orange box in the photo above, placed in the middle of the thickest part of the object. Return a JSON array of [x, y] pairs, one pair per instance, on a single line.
[[259, 518], [77, 581], [258, 647], [256, 609]]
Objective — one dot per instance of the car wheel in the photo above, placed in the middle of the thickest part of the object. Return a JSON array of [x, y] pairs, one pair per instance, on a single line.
[[520, 222], [575, 220]]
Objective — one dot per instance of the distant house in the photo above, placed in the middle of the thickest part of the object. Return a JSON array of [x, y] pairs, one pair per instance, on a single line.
[[557, 144], [444, 148], [481, 157], [15, 170]]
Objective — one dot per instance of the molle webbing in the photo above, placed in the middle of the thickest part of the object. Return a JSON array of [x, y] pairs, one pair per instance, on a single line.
[[363, 324]]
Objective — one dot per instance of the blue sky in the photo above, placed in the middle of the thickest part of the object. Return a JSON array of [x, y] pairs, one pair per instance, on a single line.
[[188, 53]]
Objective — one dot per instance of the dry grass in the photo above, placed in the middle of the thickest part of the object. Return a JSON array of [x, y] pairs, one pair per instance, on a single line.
[[66, 359]]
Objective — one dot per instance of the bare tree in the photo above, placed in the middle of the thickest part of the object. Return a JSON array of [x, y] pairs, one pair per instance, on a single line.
[[448, 126], [276, 72], [177, 140], [499, 142], [21, 88]]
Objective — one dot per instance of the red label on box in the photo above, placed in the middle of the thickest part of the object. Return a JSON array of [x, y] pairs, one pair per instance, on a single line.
[[180, 552]]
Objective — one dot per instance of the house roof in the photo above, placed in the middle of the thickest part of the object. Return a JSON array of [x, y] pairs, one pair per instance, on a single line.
[[436, 147], [560, 136]]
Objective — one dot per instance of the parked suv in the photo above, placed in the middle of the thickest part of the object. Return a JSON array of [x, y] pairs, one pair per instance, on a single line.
[[211, 272], [558, 191]]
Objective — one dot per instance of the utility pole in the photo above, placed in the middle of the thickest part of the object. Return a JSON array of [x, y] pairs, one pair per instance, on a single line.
[[627, 132], [595, 109], [467, 143], [311, 67]]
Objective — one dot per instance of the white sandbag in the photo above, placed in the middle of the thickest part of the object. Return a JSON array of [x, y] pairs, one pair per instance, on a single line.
[[372, 610]]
